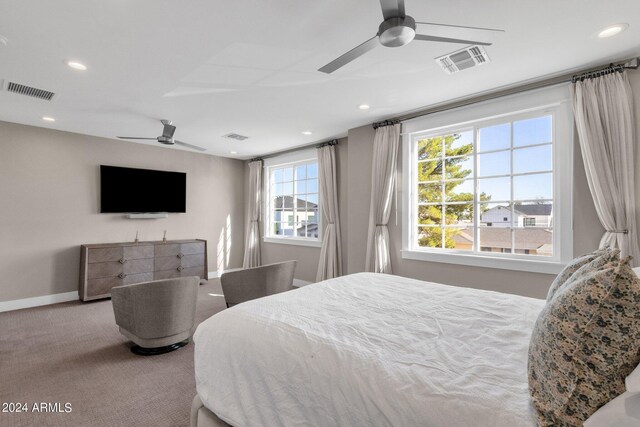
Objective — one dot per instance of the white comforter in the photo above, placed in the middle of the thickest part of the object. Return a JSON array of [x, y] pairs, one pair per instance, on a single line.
[[369, 350]]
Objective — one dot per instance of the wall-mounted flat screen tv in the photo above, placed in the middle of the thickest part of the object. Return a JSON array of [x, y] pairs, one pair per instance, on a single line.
[[128, 190]]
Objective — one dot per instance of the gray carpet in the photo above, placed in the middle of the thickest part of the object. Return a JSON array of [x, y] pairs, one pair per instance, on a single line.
[[73, 353]]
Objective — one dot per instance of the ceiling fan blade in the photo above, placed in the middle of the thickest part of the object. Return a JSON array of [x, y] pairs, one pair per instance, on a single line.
[[135, 137], [168, 130], [460, 26], [448, 40], [354, 53], [392, 8], [193, 147]]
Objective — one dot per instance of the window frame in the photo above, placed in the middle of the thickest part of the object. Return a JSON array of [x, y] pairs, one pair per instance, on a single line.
[[290, 159], [483, 115]]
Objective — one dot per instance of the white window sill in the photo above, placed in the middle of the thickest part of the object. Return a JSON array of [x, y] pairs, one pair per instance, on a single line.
[[293, 241], [504, 263]]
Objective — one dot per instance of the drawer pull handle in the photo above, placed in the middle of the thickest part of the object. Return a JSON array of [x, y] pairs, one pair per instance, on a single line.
[[122, 260], [122, 275], [180, 255], [180, 268]]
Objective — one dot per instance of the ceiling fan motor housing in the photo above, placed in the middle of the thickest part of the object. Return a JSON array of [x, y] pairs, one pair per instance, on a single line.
[[165, 140], [397, 31]]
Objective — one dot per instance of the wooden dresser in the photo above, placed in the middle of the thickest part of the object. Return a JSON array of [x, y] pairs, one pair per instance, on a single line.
[[103, 266]]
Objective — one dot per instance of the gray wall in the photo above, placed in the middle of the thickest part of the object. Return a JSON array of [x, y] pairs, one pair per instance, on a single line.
[[586, 227], [49, 202]]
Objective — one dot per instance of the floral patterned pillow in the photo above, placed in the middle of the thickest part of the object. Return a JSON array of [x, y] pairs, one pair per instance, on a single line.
[[585, 342], [572, 267]]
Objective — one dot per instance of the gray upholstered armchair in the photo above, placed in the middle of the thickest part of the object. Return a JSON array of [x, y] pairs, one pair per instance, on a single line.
[[157, 316], [250, 283]]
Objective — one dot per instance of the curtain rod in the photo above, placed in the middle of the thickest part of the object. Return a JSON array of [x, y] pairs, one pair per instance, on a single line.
[[610, 69], [293, 150], [551, 81], [328, 143], [385, 123]]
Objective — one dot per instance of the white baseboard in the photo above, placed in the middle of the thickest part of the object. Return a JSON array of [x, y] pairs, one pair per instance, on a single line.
[[37, 301], [299, 283], [53, 299]]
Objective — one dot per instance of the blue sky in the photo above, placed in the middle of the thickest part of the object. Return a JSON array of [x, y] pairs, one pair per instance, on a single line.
[[306, 185], [525, 160]]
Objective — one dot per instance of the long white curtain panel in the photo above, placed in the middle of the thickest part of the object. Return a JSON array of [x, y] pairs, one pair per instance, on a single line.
[[603, 109], [252, 243], [330, 264], [383, 180]]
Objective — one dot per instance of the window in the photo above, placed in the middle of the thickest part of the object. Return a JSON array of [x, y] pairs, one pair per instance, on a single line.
[[490, 188], [291, 200]]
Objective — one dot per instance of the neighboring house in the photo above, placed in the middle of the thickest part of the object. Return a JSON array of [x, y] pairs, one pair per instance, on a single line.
[[531, 215], [302, 220], [530, 241]]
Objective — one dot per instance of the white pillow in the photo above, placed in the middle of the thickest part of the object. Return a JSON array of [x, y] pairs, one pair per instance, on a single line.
[[633, 381], [624, 410], [637, 271]]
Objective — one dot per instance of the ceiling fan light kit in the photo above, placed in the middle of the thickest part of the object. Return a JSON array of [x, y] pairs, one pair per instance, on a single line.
[[397, 29]]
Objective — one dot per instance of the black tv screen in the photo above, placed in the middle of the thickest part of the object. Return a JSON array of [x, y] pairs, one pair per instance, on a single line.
[[128, 190]]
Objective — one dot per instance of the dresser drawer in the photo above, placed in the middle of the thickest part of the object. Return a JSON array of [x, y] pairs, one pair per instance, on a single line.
[[102, 286], [105, 254], [98, 287], [180, 260], [114, 268], [137, 266], [179, 272], [117, 253], [138, 252], [167, 249], [130, 279], [195, 260], [166, 263], [192, 248], [104, 269]]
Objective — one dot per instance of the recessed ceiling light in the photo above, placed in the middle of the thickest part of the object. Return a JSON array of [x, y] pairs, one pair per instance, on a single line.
[[233, 152], [363, 107], [76, 65], [612, 30], [48, 119], [307, 132]]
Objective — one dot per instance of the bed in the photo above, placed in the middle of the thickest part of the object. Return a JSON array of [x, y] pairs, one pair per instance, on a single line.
[[368, 350]]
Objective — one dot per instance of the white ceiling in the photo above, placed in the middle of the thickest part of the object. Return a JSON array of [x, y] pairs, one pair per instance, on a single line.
[[250, 66]]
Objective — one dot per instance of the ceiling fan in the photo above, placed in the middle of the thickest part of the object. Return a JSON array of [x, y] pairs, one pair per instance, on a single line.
[[167, 137], [397, 29]]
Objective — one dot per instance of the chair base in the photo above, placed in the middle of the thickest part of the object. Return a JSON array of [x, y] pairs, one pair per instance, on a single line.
[[143, 351]]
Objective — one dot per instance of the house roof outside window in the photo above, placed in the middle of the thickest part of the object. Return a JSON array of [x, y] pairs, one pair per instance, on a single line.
[[286, 203], [526, 238]]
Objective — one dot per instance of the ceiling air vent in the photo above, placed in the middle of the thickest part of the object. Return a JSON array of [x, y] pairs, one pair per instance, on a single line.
[[463, 59], [235, 136], [30, 91]]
